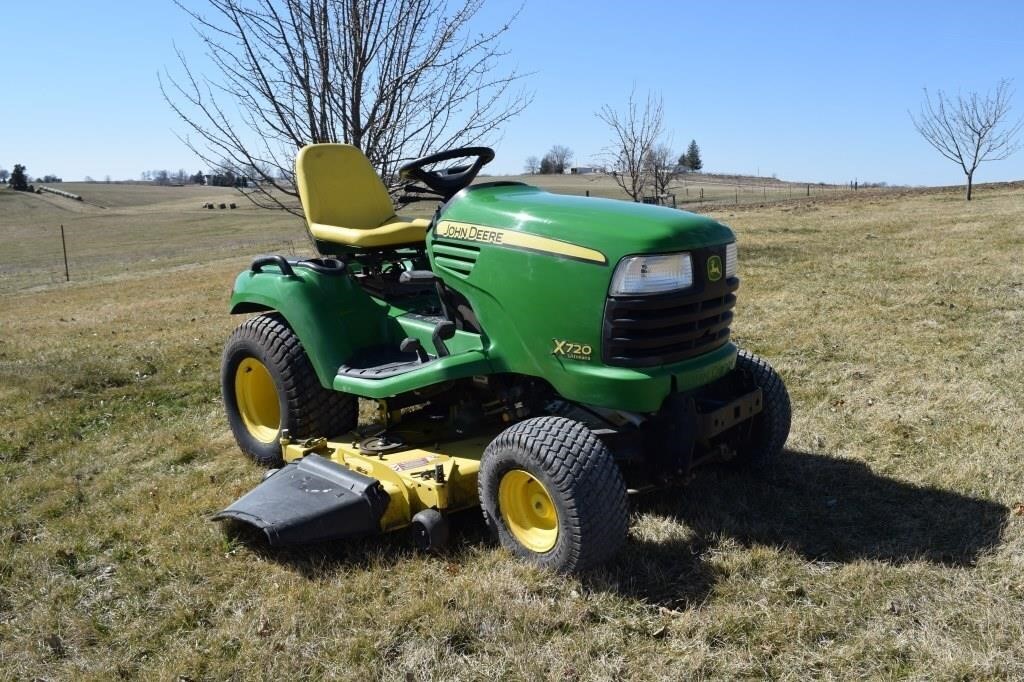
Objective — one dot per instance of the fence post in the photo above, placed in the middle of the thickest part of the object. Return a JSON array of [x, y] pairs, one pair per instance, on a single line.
[[808, 190], [588, 192], [64, 248]]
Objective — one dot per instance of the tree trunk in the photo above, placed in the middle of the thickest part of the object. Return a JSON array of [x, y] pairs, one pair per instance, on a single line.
[[970, 184]]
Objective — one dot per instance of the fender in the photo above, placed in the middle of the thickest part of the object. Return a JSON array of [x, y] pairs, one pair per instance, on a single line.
[[331, 315]]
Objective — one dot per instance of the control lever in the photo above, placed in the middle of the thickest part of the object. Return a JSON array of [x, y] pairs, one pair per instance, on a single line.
[[411, 345], [442, 332]]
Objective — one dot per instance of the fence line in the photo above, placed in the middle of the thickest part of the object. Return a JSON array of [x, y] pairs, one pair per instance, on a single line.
[[51, 260], [717, 195]]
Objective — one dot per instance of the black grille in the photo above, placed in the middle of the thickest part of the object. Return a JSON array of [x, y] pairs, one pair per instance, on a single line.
[[645, 331]]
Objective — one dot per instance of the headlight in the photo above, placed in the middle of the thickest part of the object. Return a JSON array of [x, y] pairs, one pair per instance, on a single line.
[[730, 260], [652, 274]]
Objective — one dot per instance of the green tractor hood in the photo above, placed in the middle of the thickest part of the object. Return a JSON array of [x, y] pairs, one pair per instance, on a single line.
[[536, 267], [614, 228]]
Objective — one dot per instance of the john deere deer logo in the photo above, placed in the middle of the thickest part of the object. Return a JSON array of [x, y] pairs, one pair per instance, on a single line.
[[714, 269]]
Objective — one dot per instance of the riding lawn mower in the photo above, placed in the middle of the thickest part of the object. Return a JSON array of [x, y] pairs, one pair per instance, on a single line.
[[540, 356]]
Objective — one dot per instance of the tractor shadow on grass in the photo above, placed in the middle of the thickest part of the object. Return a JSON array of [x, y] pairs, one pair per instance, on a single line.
[[324, 559], [820, 507]]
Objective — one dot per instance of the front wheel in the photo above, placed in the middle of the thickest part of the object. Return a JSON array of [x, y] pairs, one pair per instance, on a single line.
[[770, 429], [551, 493], [269, 385]]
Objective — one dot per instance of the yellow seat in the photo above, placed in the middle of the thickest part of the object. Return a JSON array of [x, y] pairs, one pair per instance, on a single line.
[[345, 201]]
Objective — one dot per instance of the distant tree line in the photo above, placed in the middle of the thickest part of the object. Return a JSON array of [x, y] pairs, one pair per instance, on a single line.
[[165, 177], [226, 176], [19, 179], [230, 176]]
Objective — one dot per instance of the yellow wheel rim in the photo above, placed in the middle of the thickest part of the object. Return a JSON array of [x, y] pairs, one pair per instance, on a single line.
[[528, 511], [257, 401]]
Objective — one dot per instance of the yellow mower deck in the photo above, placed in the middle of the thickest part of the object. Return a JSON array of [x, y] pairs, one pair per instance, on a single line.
[[407, 474]]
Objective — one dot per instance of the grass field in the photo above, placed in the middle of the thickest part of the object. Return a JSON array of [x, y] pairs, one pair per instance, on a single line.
[[888, 543], [130, 228]]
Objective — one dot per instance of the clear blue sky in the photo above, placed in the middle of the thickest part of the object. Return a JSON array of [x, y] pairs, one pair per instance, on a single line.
[[814, 91]]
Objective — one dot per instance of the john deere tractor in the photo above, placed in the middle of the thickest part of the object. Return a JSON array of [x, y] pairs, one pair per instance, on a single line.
[[537, 355]]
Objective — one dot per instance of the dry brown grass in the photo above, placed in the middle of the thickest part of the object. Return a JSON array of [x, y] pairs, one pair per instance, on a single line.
[[131, 228], [889, 542]]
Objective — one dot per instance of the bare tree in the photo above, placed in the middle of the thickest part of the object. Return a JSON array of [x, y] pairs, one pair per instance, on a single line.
[[635, 131], [532, 165], [661, 167], [396, 78], [4, 174], [557, 160], [969, 129]]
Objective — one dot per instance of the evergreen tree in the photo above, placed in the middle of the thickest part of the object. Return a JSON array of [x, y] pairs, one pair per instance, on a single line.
[[692, 157], [19, 180]]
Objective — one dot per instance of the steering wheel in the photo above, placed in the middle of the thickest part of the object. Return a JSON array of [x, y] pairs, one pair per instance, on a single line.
[[447, 181]]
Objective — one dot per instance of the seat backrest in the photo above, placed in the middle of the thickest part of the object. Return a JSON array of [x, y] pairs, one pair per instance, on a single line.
[[338, 186]]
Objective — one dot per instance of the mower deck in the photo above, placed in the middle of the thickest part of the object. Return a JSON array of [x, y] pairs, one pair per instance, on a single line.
[[290, 508]]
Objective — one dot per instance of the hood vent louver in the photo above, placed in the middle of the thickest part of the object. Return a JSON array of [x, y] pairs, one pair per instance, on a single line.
[[454, 257]]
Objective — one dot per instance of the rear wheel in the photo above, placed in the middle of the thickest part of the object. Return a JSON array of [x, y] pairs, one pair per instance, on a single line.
[[269, 385], [551, 493], [769, 429]]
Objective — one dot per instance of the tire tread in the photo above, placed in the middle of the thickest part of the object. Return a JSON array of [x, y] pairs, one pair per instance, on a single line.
[[311, 410], [585, 474], [776, 415]]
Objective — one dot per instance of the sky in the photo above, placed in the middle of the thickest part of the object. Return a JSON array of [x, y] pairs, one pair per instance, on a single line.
[[812, 91]]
